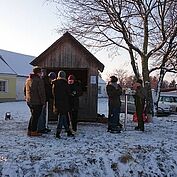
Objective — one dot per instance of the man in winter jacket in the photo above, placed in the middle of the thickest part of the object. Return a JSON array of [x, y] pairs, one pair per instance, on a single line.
[[35, 97], [76, 92], [61, 94], [43, 120], [114, 91], [139, 96]]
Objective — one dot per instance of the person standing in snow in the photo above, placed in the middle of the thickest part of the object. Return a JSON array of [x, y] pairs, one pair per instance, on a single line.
[[114, 92], [76, 92], [42, 123], [61, 94], [35, 97], [139, 103]]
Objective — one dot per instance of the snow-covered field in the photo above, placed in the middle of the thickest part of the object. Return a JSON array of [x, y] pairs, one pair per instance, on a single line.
[[92, 153]]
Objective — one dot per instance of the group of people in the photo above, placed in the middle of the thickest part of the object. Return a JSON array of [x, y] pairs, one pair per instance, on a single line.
[[114, 91], [42, 90], [62, 93]]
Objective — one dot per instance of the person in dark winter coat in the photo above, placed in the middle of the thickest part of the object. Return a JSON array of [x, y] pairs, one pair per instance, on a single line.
[[61, 94], [35, 97], [42, 123], [76, 92], [114, 91], [140, 96]]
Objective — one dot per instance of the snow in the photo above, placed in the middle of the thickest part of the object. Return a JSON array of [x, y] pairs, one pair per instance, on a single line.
[[20, 63], [93, 151]]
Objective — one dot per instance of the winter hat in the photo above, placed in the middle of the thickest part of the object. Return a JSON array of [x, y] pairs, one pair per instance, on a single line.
[[52, 75], [113, 79], [61, 75], [71, 77], [36, 70]]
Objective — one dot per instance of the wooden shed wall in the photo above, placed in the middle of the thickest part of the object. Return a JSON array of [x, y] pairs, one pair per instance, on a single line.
[[66, 55]]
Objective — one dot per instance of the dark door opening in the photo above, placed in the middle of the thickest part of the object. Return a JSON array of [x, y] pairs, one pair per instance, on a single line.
[[79, 73]]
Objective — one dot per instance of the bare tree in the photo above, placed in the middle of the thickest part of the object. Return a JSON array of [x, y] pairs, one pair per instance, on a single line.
[[143, 28]]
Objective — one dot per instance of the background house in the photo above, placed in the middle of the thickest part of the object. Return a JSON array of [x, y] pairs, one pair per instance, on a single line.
[[101, 88], [69, 55], [14, 69]]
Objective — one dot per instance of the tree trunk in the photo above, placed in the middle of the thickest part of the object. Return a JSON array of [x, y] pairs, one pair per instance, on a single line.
[[146, 79]]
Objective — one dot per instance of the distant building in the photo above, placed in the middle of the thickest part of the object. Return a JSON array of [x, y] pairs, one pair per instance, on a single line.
[[14, 69], [101, 88]]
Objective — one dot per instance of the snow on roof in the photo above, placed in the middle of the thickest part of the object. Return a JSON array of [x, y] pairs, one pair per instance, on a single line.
[[4, 68], [18, 63]]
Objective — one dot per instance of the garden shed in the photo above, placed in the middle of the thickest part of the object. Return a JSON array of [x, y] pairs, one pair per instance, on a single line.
[[69, 55]]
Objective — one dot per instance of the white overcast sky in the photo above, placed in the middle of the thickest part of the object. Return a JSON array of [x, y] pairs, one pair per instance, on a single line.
[[28, 27]]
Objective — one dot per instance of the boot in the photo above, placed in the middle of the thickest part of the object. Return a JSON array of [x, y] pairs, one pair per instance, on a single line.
[[120, 125], [139, 128], [70, 134], [58, 135], [35, 133]]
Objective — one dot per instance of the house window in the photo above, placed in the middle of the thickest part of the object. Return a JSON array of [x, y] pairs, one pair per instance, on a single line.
[[99, 89], [3, 85]]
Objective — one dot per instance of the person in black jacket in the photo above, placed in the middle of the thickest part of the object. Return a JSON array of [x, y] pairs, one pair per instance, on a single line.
[[114, 91], [139, 96], [43, 120], [61, 94], [76, 92]]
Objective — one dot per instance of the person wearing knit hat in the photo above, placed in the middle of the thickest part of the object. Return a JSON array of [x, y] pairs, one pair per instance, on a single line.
[[37, 70], [114, 91], [52, 75], [61, 92], [61, 75], [76, 92], [34, 93], [43, 120], [140, 97]]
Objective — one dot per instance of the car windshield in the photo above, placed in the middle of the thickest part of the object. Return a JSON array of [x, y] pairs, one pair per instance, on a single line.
[[168, 99]]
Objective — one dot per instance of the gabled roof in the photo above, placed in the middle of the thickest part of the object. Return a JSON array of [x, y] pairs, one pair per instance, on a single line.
[[15, 63], [59, 42]]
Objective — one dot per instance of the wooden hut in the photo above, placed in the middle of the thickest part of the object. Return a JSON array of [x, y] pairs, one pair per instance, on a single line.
[[71, 56]]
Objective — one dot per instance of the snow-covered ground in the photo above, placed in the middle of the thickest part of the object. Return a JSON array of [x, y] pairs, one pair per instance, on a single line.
[[92, 153]]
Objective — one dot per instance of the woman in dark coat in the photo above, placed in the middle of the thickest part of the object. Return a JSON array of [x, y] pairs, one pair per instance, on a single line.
[[61, 94]]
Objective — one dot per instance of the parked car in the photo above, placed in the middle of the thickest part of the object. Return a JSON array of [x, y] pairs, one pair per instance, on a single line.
[[162, 110], [170, 99]]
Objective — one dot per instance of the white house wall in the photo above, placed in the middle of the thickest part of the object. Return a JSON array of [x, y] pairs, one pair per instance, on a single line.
[[101, 88], [20, 87]]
